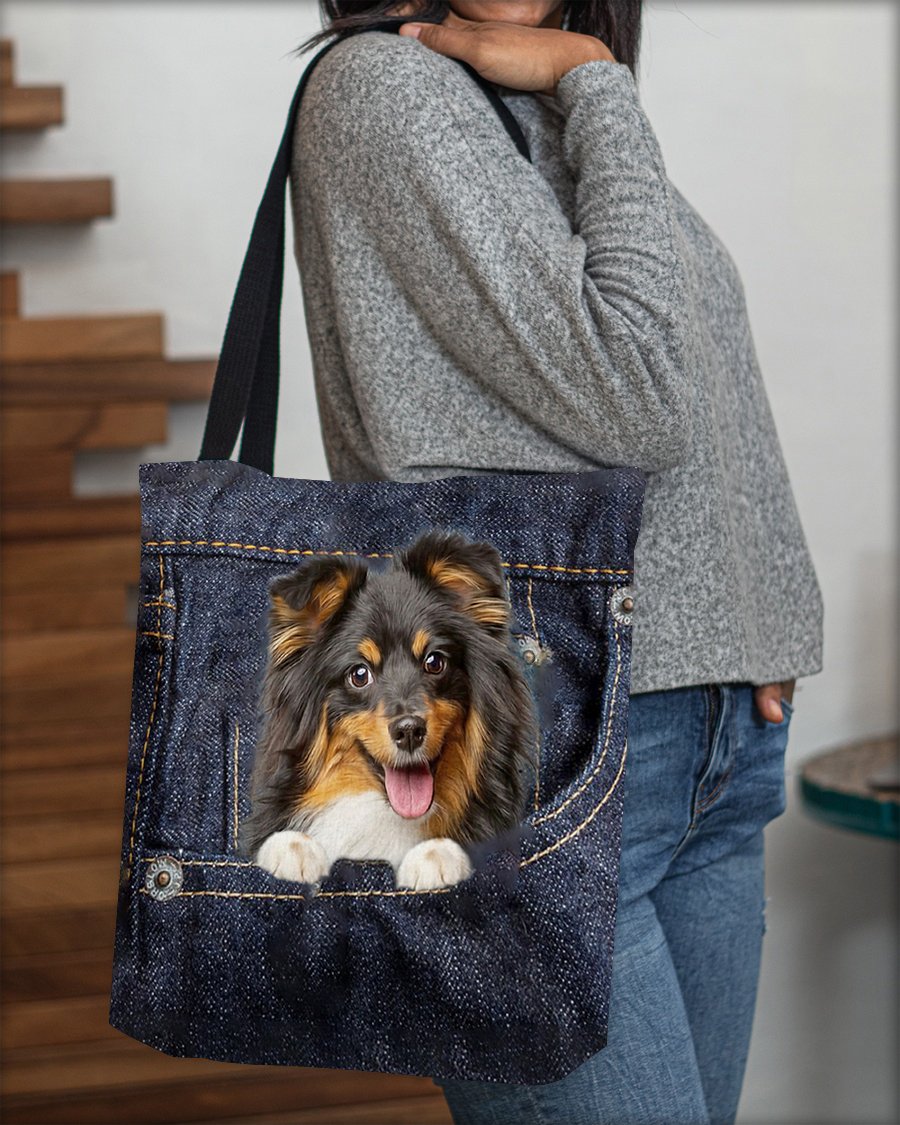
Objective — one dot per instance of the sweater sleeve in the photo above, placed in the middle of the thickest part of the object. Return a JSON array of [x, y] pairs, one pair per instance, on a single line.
[[580, 331]]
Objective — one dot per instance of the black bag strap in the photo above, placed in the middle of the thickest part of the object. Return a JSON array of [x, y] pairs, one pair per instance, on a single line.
[[246, 383]]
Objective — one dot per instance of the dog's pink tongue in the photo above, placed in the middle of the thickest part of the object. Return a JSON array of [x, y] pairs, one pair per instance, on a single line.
[[410, 790]]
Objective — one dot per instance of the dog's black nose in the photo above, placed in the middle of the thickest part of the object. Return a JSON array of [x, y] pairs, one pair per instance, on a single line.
[[408, 732]]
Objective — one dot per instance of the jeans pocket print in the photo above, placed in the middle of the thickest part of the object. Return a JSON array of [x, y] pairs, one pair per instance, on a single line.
[[501, 974]]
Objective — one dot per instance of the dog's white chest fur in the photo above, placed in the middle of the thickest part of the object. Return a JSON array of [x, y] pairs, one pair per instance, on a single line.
[[364, 826]]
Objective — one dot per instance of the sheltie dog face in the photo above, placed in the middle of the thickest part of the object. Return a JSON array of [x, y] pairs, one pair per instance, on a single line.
[[398, 721]]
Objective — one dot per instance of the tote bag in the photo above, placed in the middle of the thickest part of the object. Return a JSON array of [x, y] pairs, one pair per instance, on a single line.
[[503, 975]]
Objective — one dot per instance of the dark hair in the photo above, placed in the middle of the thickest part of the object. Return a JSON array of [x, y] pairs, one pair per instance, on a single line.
[[617, 23]]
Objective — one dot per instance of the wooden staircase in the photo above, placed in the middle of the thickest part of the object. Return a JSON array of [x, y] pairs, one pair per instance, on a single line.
[[69, 564]]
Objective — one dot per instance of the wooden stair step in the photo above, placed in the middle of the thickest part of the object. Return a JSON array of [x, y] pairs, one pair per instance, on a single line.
[[61, 884], [54, 932], [44, 1023], [95, 788], [180, 380], [194, 1103], [114, 1061], [123, 1061], [39, 444], [29, 839], [90, 673], [34, 566], [7, 70], [76, 339], [105, 699], [82, 673], [32, 612], [112, 425], [36, 478], [432, 1109], [66, 200], [72, 518], [31, 107], [58, 976], [160, 1105], [102, 569], [9, 294], [44, 744]]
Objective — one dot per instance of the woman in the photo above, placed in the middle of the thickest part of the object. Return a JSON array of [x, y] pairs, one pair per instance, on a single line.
[[471, 312]]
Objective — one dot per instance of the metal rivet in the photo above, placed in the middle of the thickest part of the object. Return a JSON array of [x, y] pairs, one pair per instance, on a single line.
[[164, 877], [533, 652], [621, 604]]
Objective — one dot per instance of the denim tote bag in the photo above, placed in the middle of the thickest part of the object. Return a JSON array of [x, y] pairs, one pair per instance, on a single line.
[[502, 975]]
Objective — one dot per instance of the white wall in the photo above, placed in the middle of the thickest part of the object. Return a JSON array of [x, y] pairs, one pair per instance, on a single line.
[[776, 120]]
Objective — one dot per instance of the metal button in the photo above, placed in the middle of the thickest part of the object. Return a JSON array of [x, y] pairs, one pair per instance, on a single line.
[[164, 878], [533, 652], [621, 604]]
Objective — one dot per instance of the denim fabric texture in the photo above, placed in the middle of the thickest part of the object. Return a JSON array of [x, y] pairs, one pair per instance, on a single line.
[[503, 977], [705, 775]]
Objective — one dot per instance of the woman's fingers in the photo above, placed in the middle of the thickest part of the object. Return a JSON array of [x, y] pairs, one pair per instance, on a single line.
[[513, 55], [768, 699], [453, 36], [768, 702]]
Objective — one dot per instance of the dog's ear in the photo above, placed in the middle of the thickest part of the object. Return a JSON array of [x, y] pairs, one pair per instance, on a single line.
[[469, 573], [304, 601]]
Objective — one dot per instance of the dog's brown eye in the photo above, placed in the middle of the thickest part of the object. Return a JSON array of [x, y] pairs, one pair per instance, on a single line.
[[434, 663], [359, 676]]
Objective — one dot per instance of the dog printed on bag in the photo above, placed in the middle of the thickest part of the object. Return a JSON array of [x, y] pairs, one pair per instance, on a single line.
[[398, 723]]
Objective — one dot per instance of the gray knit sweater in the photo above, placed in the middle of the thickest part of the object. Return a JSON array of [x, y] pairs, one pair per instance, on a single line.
[[470, 312]]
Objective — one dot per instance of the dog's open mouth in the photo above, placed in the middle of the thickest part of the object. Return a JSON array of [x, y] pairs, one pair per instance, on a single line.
[[409, 789]]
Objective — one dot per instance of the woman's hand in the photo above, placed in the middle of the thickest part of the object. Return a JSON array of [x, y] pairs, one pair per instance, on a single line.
[[768, 699], [509, 54]]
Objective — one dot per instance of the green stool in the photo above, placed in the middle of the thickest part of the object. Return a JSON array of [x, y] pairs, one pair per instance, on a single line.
[[856, 786]]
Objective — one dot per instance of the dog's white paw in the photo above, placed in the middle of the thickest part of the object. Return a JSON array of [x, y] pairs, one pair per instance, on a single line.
[[293, 855], [433, 863]]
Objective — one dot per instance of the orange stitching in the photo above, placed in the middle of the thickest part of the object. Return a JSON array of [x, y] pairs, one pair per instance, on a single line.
[[531, 609], [157, 601], [256, 547], [362, 554], [387, 894], [162, 636], [202, 862], [578, 827], [230, 894], [137, 796], [160, 597], [319, 894], [237, 735], [599, 765]]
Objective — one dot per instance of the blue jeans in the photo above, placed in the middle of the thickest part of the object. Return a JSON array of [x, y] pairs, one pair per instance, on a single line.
[[704, 775]]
